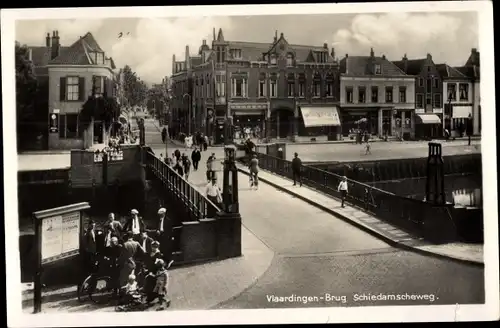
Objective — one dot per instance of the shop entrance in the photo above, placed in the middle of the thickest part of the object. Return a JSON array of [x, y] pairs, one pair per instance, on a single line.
[[248, 126], [282, 123]]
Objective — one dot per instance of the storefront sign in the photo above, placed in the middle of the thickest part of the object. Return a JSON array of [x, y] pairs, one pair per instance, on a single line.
[[320, 116], [461, 111], [60, 237], [54, 123], [437, 110], [248, 106]]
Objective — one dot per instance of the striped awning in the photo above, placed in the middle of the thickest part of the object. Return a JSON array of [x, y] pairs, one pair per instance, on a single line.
[[428, 119]]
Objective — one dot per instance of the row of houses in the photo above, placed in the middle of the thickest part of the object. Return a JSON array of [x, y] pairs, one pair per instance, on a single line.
[[303, 92], [67, 77]]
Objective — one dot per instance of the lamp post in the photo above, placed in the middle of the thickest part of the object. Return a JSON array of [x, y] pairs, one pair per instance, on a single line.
[[189, 111]]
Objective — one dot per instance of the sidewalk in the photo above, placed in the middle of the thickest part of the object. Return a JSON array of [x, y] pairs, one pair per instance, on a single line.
[[194, 287], [470, 253]]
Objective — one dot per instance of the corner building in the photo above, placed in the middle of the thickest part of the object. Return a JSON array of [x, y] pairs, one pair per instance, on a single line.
[[283, 90]]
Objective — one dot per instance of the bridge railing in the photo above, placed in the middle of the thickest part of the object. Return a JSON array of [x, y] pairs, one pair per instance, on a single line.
[[194, 203], [408, 214]]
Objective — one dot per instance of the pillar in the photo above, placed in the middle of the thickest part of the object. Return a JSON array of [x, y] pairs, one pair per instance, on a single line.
[[295, 122], [412, 124], [392, 130], [277, 124], [380, 121], [476, 107]]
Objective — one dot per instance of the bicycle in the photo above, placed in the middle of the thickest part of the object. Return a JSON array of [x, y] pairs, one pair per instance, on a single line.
[[98, 285]]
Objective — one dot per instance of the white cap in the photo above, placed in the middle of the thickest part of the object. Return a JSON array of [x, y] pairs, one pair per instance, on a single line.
[[134, 211], [162, 211]]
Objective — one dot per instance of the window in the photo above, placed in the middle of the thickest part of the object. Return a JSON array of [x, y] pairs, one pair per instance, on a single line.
[[236, 53], [302, 85], [429, 68], [202, 89], [68, 126], [428, 86], [273, 59], [437, 101], [388, 95], [402, 94], [262, 85], [99, 82], [428, 99], [361, 94], [316, 87], [378, 69], [349, 95], [97, 57], [273, 86], [464, 91], [420, 82], [239, 87], [207, 84], [291, 85], [329, 86], [452, 91], [289, 60], [420, 101], [220, 81], [72, 88], [435, 82], [374, 94]]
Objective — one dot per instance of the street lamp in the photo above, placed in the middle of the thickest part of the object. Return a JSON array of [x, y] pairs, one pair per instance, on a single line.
[[189, 113]]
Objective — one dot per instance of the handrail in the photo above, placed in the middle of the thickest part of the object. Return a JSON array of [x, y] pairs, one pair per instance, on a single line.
[[187, 195]]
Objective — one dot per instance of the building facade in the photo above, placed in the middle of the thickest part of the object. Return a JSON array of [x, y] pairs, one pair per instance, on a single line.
[[72, 74], [428, 95], [471, 69], [276, 89], [459, 99], [376, 96]]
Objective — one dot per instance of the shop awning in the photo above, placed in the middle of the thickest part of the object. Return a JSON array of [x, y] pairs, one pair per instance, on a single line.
[[320, 116], [428, 119]]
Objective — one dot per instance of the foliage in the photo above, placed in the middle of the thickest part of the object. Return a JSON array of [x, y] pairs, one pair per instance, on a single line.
[[157, 98], [104, 109], [135, 90]]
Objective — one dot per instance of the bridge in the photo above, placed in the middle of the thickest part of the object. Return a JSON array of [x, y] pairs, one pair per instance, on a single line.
[[299, 240]]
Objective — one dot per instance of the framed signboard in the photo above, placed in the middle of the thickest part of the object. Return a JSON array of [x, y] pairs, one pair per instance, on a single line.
[[58, 234], [54, 122]]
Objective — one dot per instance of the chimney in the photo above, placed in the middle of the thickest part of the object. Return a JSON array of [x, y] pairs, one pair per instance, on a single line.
[[372, 54], [333, 53], [275, 35], [325, 45], [429, 56], [405, 63], [346, 55], [47, 40], [173, 65], [383, 57], [474, 51], [55, 45], [214, 34], [281, 35], [204, 42]]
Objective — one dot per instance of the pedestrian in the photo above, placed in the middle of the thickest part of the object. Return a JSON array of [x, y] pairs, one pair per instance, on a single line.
[[254, 172], [178, 167], [90, 248], [196, 157], [164, 234], [131, 250], [296, 167], [213, 194], [161, 157], [164, 135], [343, 189], [367, 148], [177, 154], [205, 143], [187, 166], [135, 224], [210, 166], [161, 286], [115, 225]]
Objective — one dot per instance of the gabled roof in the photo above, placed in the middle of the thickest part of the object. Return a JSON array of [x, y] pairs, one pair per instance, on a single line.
[[363, 66], [195, 61], [413, 66], [78, 52], [40, 56], [472, 72], [446, 71]]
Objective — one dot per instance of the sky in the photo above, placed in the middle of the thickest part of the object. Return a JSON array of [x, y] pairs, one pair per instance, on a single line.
[[149, 43]]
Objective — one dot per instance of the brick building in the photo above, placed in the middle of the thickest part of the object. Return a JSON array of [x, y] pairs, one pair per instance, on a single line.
[[378, 93], [277, 88], [471, 69], [66, 76], [428, 95]]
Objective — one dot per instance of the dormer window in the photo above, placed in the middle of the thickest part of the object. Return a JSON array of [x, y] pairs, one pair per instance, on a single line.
[[273, 59], [378, 69], [236, 53], [289, 60], [97, 57]]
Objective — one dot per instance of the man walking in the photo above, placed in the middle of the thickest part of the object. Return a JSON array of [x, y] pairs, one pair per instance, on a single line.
[[296, 166], [210, 167], [196, 158], [343, 189], [164, 135], [213, 193]]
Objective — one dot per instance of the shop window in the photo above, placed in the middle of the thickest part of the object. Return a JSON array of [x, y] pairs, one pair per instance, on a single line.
[[68, 126]]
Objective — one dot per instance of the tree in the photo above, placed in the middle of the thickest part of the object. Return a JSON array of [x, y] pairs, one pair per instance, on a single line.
[[135, 90], [26, 92]]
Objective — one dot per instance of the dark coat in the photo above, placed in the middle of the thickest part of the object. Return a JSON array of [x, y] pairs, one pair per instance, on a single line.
[[128, 225], [90, 241], [296, 164], [150, 260], [196, 156], [102, 241]]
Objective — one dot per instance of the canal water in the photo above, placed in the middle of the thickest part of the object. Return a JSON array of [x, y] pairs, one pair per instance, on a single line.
[[464, 190]]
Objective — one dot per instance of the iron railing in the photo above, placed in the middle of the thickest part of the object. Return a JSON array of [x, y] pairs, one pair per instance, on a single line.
[[197, 205], [408, 214]]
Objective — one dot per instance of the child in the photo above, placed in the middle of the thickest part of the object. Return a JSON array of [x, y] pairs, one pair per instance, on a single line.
[[130, 290], [367, 147], [161, 286]]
